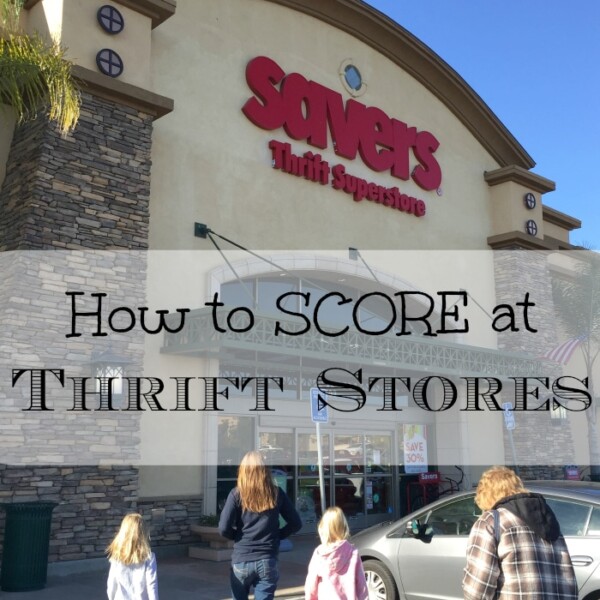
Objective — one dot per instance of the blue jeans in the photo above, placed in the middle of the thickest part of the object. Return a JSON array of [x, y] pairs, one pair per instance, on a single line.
[[262, 574]]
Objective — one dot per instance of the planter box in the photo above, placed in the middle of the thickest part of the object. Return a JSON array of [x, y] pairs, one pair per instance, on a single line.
[[214, 547]]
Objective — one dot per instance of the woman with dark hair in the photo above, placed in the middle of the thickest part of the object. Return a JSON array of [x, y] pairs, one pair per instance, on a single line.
[[250, 518], [516, 550]]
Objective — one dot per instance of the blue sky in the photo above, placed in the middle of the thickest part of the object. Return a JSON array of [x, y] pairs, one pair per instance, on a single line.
[[536, 64]]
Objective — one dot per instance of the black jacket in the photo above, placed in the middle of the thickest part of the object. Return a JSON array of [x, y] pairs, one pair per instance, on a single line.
[[256, 535], [533, 510]]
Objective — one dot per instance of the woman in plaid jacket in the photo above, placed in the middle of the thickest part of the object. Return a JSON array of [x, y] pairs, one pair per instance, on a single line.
[[519, 552]]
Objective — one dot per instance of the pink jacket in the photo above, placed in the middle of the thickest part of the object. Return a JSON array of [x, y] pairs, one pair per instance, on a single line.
[[336, 573]]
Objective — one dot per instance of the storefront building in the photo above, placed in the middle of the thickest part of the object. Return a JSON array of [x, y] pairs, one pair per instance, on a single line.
[[346, 156]]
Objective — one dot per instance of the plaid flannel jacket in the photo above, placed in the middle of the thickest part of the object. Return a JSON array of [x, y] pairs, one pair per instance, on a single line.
[[521, 566]]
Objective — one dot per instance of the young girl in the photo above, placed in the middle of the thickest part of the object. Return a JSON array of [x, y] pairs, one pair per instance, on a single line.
[[335, 571], [132, 573]]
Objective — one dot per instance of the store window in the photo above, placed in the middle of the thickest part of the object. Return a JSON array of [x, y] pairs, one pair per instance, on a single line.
[[236, 437], [349, 475], [331, 312], [308, 498], [277, 450], [270, 290], [353, 77], [378, 467], [455, 518], [238, 293], [375, 314], [358, 476], [594, 526], [357, 469], [572, 516]]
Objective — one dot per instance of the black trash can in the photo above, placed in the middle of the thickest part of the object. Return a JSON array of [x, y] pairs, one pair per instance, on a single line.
[[26, 543]]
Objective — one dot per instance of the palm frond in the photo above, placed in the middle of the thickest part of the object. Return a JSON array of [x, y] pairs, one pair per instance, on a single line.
[[34, 74], [578, 299], [10, 10]]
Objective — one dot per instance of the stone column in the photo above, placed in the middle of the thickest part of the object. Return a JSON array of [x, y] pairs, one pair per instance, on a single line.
[[520, 267], [86, 193]]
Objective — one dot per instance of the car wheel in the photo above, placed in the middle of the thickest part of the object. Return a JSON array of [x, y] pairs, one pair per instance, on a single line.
[[380, 582]]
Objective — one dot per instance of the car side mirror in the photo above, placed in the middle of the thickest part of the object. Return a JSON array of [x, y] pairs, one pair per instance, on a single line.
[[419, 530], [415, 527]]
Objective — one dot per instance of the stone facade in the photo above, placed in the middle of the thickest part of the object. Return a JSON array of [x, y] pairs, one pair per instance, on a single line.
[[517, 272], [91, 502], [170, 520], [89, 191]]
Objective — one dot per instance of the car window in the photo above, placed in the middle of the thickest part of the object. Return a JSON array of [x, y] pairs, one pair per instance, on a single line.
[[594, 526], [454, 518], [572, 516]]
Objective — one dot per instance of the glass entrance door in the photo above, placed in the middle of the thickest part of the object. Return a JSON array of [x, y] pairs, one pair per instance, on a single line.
[[276, 446], [357, 469], [308, 499], [363, 477], [349, 477], [358, 477]]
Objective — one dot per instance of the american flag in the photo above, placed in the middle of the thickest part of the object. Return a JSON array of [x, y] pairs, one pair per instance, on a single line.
[[563, 352]]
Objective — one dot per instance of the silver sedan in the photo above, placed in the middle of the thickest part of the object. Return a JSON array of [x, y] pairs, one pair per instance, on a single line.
[[423, 554]]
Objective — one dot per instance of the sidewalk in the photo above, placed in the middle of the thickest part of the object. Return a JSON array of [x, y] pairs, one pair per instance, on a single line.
[[180, 578]]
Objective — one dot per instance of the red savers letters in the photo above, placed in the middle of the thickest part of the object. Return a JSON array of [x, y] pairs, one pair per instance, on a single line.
[[308, 111]]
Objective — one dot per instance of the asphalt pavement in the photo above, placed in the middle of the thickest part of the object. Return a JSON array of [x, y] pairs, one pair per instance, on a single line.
[[179, 577]]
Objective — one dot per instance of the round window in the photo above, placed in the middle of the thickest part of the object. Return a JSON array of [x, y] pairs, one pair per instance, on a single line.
[[531, 227], [109, 62], [351, 78], [110, 19]]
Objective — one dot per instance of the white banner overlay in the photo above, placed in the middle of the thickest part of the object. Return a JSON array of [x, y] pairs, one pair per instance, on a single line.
[[186, 358]]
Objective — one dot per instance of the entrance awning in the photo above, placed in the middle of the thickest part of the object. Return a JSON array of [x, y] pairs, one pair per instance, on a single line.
[[411, 353]]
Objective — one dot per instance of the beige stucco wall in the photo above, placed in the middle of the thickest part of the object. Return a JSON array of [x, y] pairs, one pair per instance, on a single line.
[[211, 164], [510, 212], [182, 279], [74, 24], [555, 231], [176, 280], [45, 18]]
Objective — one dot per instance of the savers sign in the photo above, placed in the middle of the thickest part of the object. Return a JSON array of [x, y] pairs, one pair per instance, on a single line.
[[313, 113]]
